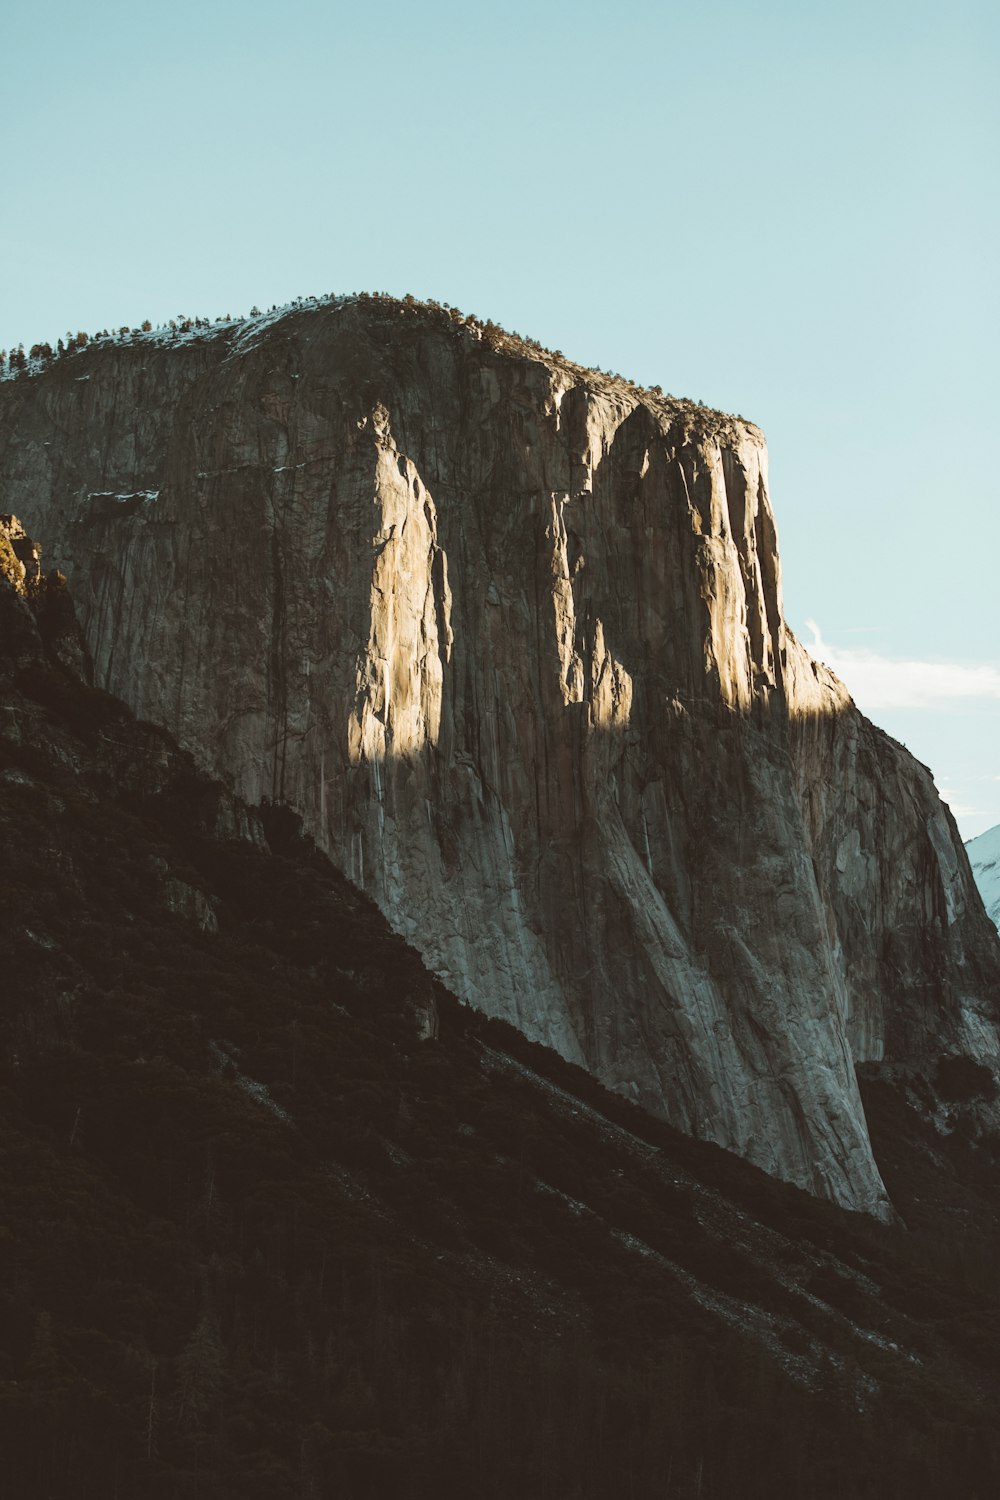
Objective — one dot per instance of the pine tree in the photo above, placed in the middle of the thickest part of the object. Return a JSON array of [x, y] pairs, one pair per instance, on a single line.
[[42, 1359], [152, 1412], [200, 1370]]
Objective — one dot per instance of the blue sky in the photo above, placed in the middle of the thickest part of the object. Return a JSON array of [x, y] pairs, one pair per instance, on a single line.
[[788, 211]]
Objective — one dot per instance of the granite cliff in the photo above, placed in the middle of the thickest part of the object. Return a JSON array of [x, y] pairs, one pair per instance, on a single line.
[[509, 635]]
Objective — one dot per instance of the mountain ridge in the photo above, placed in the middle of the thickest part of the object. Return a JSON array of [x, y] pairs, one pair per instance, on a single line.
[[237, 332]]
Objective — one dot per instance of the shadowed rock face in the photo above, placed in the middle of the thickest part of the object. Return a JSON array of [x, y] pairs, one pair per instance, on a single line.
[[509, 635]]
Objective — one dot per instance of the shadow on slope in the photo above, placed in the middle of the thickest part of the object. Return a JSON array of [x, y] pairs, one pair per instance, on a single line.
[[262, 1233]]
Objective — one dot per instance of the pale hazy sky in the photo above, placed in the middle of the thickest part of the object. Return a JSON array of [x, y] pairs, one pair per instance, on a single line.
[[782, 209]]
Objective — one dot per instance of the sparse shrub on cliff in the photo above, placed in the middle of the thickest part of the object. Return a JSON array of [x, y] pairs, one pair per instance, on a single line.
[[493, 337]]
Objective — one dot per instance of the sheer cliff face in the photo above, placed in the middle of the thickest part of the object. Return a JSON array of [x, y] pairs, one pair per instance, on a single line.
[[510, 636]]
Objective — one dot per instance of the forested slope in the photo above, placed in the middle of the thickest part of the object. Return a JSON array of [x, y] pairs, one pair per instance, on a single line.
[[279, 1217]]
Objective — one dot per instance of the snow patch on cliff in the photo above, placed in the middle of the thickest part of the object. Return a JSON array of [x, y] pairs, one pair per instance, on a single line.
[[148, 497], [984, 857]]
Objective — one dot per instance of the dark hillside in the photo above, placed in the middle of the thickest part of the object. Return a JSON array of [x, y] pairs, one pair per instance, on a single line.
[[279, 1217]]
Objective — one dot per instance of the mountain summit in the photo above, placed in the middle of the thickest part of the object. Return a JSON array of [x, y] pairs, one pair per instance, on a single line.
[[508, 634]]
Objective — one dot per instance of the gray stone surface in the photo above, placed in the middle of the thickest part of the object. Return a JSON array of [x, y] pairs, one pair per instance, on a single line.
[[509, 635], [984, 857]]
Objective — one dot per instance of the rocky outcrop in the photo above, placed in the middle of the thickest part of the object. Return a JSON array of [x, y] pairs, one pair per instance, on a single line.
[[509, 635], [984, 857]]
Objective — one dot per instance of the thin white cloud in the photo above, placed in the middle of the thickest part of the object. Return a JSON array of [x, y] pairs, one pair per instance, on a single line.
[[959, 808], [876, 681]]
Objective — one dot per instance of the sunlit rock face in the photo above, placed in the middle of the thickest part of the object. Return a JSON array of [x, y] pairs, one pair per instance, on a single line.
[[509, 634]]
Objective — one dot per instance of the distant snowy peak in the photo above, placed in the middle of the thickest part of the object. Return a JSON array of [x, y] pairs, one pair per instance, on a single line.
[[984, 856]]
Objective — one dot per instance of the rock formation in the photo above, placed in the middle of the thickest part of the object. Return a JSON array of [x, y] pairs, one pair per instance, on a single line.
[[984, 857], [509, 634]]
